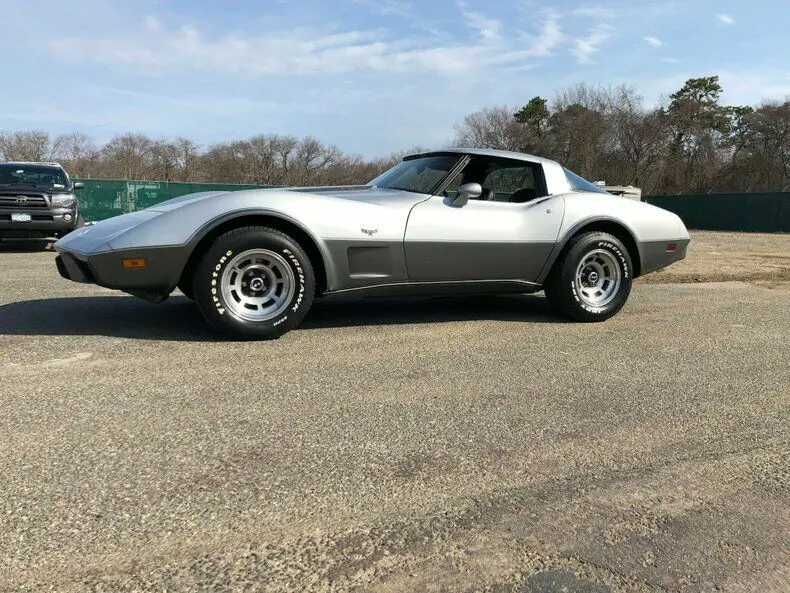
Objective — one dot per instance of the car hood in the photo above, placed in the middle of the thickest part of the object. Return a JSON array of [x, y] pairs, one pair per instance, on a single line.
[[328, 211], [358, 193]]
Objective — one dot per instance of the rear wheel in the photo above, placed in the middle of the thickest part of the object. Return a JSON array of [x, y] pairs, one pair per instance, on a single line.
[[254, 283], [592, 280]]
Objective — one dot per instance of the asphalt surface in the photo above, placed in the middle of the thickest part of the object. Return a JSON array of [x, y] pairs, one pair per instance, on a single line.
[[475, 444]]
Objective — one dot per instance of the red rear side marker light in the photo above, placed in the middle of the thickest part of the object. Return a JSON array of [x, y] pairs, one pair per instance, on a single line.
[[672, 247]]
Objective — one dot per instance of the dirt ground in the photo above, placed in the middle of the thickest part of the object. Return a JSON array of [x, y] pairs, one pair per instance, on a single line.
[[719, 257], [414, 445]]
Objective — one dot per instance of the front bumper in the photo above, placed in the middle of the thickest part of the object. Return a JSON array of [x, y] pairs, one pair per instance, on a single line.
[[44, 222], [154, 282]]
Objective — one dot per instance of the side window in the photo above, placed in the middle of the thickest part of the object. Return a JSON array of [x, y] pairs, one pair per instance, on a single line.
[[502, 180], [505, 182]]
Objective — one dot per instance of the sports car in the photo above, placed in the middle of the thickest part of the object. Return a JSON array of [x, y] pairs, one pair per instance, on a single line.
[[455, 221]]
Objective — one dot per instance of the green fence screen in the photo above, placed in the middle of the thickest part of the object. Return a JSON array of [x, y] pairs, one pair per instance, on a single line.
[[754, 212], [103, 198], [758, 212]]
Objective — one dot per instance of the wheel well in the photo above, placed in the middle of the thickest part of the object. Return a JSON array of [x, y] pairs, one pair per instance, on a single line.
[[296, 233], [617, 230]]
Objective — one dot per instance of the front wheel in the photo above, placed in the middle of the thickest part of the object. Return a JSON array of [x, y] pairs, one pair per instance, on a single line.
[[592, 280], [254, 283]]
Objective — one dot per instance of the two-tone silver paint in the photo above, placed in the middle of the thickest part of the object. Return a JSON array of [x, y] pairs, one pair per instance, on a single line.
[[384, 240]]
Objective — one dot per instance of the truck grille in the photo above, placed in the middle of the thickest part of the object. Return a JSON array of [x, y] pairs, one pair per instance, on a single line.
[[22, 201]]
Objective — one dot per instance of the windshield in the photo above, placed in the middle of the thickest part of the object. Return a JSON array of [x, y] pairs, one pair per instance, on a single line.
[[581, 184], [44, 176], [419, 175]]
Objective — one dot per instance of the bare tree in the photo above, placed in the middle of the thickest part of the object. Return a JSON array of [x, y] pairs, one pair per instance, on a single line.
[[25, 146], [128, 156], [188, 157], [690, 143], [164, 160], [637, 139], [78, 153], [492, 127]]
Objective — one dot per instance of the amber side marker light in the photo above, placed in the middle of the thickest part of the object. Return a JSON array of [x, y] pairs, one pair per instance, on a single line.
[[672, 247], [135, 262]]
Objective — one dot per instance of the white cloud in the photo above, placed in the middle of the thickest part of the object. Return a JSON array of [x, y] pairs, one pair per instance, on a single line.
[[549, 38], [157, 50], [489, 28], [653, 41], [585, 47], [725, 19], [596, 11]]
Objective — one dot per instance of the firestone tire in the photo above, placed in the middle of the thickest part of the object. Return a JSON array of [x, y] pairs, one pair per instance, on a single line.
[[254, 283], [592, 280]]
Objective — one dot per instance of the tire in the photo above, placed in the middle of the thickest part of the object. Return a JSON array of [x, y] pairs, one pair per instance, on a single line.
[[592, 279], [254, 283]]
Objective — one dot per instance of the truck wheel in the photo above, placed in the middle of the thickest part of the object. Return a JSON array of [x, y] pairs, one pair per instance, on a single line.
[[592, 280], [254, 283]]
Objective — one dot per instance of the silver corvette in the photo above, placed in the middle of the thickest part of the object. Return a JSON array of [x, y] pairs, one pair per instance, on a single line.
[[448, 222]]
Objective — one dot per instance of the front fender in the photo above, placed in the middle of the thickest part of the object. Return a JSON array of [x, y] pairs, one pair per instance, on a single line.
[[227, 218]]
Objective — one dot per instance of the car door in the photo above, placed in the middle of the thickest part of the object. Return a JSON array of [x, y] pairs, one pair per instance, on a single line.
[[491, 238]]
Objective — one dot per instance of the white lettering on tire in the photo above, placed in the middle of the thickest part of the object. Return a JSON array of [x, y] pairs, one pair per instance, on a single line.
[[217, 303], [297, 264]]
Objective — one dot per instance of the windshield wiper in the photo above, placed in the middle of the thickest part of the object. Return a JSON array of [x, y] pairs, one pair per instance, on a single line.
[[20, 185]]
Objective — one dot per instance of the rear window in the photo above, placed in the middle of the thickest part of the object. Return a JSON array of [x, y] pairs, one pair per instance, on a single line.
[[580, 184]]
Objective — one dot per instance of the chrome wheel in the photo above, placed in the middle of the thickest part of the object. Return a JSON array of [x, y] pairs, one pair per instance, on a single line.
[[598, 278], [257, 285]]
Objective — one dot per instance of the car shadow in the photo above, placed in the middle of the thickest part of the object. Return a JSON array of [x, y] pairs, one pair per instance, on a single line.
[[178, 319], [25, 245]]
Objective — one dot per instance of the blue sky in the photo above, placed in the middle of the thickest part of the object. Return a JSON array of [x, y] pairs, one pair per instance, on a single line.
[[371, 76]]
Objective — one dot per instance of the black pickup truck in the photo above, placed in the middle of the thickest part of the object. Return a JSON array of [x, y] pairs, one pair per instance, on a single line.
[[37, 200]]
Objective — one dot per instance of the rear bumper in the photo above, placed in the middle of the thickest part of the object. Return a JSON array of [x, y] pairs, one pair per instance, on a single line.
[[154, 282], [656, 255]]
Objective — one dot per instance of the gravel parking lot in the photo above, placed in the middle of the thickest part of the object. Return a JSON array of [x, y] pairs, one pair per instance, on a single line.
[[475, 444]]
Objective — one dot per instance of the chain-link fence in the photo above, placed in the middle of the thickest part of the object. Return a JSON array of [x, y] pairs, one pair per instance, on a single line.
[[103, 198]]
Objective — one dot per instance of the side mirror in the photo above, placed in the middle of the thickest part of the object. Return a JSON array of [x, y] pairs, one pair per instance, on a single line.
[[468, 191], [78, 185]]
